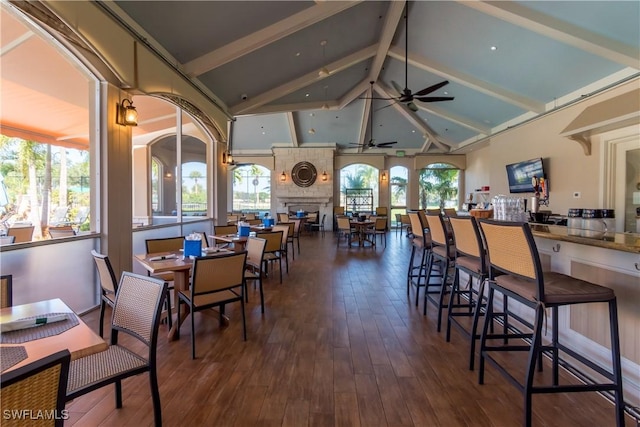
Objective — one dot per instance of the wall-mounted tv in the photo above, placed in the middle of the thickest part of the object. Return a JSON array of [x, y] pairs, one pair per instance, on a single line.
[[520, 175]]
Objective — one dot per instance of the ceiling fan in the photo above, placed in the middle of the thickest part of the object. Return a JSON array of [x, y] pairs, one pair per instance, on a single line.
[[372, 143], [227, 157], [405, 95]]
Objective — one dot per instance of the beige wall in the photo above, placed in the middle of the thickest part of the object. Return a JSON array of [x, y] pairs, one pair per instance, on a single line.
[[568, 169]]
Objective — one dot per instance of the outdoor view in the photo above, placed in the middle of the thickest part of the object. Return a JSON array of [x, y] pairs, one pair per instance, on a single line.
[[438, 186], [398, 190], [359, 177], [251, 189], [43, 185]]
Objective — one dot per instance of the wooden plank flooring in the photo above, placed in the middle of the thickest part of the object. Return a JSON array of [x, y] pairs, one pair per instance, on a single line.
[[340, 344]]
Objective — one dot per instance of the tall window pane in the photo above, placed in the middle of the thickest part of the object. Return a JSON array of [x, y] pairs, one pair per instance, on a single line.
[[399, 176], [251, 189], [438, 186]]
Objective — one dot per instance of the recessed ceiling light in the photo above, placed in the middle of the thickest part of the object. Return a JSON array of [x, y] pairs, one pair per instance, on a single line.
[[306, 94], [494, 48], [413, 131], [446, 93], [311, 114], [264, 133], [297, 53]]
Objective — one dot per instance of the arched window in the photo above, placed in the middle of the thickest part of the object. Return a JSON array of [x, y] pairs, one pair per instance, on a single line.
[[399, 175], [251, 189], [359, 188], [438, 186]]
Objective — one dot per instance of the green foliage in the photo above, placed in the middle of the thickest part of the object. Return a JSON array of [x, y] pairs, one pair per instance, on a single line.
[[437, 186]]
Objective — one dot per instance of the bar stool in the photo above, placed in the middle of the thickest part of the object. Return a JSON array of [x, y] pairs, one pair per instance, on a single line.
[[420, 243], [442, 252], [470, 258], [515, 271]]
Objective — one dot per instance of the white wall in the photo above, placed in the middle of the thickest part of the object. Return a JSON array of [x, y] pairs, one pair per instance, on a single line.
[[568, 169]]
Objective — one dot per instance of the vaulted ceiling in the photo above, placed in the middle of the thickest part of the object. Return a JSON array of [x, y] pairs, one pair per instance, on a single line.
[[298, 73], [505, 61]]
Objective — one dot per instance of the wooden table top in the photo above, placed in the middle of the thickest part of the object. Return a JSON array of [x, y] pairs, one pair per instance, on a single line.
[[80, 340], [164, 265]]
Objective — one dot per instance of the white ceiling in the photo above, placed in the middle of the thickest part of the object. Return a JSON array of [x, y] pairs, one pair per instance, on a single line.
[[548, 54]]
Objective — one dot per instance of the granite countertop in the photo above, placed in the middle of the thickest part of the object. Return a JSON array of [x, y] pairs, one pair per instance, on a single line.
[[627, 242]]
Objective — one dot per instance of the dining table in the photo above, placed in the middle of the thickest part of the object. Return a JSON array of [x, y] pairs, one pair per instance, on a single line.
[[23, 346], [180, 266], [239, 242], [361, 231]]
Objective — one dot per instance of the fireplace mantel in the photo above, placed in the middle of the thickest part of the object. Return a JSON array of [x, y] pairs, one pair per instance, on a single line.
[[301, 200]]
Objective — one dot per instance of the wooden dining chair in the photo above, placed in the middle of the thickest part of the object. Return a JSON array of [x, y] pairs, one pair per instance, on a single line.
[[253, 266], [136, 314], [223, 230], [38, 388], [108, 285], [216, 281], [6, 290], [515, 271]]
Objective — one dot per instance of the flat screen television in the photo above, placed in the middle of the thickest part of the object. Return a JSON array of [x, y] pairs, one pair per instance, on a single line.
[[520, 175]]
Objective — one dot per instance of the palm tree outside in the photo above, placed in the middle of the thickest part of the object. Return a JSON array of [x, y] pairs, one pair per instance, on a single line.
[[438, 186]]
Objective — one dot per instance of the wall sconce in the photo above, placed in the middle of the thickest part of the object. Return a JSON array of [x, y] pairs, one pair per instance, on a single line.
[[283, 176], [168, 175], [324, 176], [227, 158], [127, 114], [384, 176]]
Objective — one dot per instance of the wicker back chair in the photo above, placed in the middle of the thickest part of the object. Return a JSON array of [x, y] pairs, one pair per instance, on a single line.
[[38, 388], [470, 259], [216, 281], [287, 230], [108, 284], [61, 231], [515, 271], [137, 314], [273, 250], [253, 267], [344, 229], [420, 245], [379, 229], [165, 244], [6, 291], [442, 252], [283, 217]]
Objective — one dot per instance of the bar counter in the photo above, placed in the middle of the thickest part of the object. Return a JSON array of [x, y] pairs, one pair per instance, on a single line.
[[626, 242]]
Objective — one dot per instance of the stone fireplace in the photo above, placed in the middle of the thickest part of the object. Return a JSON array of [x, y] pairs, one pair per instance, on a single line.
[[316, 197]]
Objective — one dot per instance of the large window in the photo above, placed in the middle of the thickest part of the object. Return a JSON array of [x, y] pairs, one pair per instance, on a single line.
[[251, 189], [358, 176], [180, 183], [438, 186], [48, 105], [399, 176]]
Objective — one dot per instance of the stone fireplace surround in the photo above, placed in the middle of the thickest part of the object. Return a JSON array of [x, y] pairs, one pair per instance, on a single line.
[[318, 196]]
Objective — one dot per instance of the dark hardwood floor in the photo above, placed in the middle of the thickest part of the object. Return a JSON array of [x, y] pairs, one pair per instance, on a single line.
[[340, 344]]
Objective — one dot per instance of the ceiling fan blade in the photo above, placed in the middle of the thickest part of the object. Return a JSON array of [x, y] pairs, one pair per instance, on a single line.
[[432, 88], [386, 144], [434, 98]]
